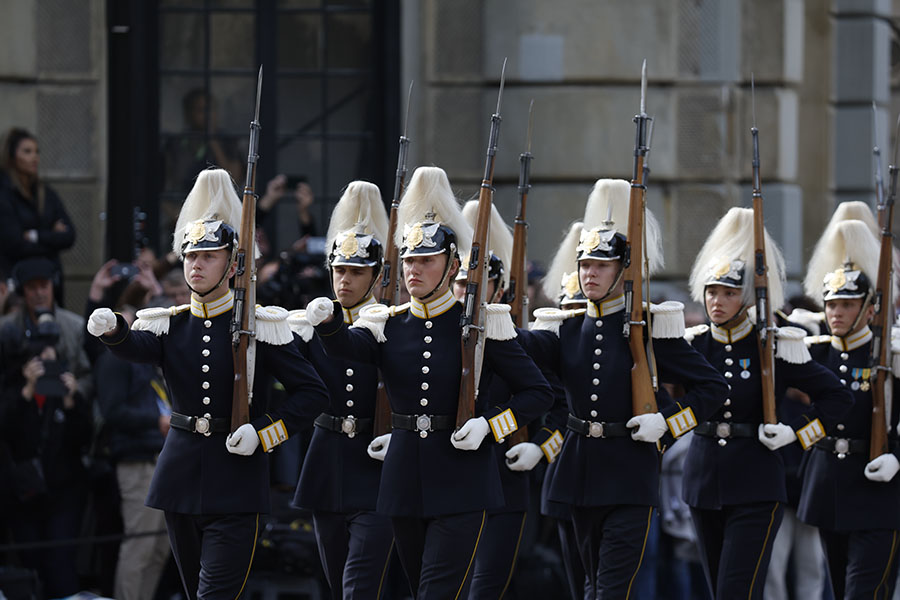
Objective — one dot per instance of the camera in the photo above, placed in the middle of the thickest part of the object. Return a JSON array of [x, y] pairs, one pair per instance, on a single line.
[[125, 271]]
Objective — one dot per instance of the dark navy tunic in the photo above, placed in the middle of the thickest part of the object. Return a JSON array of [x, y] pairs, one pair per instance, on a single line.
[[195, 474], [338, 475], [593, 360], [743, 470], [836, 495], [420, 362]]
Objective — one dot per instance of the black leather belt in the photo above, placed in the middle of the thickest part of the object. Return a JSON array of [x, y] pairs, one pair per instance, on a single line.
[[597, 429], [205, 424], [423, 423], [348, 425], [724, 431], [842, 446]]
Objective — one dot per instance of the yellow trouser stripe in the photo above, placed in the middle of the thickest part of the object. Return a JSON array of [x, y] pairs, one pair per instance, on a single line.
[[472, 559], [887, 567], [641, 559], [763, 551], [387, 561], [512, 566], [252, 554]]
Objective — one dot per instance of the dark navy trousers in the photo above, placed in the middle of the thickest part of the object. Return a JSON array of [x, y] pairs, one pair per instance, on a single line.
[[736, 546], [611, 541], [496, 556], [437, 553], [355, 550], [213, 552], [862, 564], [579, 584]]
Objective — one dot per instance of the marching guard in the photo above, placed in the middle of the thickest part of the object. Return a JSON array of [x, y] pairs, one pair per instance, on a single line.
[[339, 480], [437, 483], [608, 469], [734, 480], [212, 484], [851, 499]]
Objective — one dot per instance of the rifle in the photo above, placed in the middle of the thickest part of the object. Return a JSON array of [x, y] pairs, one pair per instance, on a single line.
[[879, 180], [472, 319], [881, 321], [518, 284], [643, 386], [764, 319], [243, 317], [389, 290]]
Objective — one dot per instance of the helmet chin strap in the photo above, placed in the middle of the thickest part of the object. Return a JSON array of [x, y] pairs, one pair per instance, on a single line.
[[215, 287], [441, 282], [609, 291], [862, 310], [737, 318], [375, 277]]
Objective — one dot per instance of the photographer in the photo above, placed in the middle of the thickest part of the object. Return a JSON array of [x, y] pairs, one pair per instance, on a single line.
[[46, 425]]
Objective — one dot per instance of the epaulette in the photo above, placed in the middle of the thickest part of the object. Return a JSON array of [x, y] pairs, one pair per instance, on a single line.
[[549, 318], [272, 326], [668, 320], [816, 339], [299, 325], [156, 319], [374, 316], [790, 346], [498, 325], [691, 332]]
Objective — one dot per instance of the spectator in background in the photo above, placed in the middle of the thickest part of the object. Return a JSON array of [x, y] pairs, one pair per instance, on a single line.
[[278, 188], [175, 290], [133, 401], [33, 220], [46, 425]]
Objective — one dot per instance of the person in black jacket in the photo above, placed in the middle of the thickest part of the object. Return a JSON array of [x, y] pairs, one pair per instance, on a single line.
[[33, 220], [339, 480], [212, 482], [734, 480], [852, 498], [437, 483], [608, 468]]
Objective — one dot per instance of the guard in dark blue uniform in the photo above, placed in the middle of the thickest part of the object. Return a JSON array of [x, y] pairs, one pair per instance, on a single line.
[[853, 501], [213, 484], [734, 480], [339, 480], [437, 484], [608, 469], [501, 539]]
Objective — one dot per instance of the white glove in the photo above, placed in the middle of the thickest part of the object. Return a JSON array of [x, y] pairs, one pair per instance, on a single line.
[[243, 441], [471, 434], [101, 321], [524, 456], [647, 428], [775, 435], [318, 310], [379, 446], [882, 468]]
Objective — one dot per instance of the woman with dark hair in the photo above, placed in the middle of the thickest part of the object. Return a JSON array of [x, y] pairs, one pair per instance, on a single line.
[[33, 220]]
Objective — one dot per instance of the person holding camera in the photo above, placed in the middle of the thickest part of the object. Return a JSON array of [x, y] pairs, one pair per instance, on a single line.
[[45, 425]]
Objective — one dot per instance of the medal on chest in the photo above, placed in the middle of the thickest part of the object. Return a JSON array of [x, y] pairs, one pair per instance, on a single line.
[[860, 379], [745, 366]]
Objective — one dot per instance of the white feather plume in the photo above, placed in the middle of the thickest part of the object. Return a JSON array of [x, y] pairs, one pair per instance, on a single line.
[[429, 191], [563, 261], [213, 196], [616, 194], [360, 203], [842, 241], [500, 235], [732, 239], [860, 211]]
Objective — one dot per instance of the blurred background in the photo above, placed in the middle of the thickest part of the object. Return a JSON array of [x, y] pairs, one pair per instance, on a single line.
[[129, 99]]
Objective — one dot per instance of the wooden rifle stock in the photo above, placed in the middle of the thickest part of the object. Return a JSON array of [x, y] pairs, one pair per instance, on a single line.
[[472, 320], [388, 292], [881, 322], [243, 323], [643, 393], [764, 318]]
